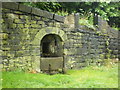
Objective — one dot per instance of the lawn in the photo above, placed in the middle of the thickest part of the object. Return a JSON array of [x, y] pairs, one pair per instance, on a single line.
[[89, 77]]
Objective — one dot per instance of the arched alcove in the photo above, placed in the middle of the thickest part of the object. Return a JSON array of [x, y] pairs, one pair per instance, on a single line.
[[51, 41], [51, 46]]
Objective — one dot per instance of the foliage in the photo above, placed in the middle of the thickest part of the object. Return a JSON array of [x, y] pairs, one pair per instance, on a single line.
[[49, 6], [87, 20], [108, 10], [89, 77]]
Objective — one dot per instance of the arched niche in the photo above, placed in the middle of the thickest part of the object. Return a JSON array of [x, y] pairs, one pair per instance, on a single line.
[[41, 62], [51, 46]]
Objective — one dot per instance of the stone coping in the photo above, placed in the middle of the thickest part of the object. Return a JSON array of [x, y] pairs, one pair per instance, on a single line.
[[32, 10], [112, 34]]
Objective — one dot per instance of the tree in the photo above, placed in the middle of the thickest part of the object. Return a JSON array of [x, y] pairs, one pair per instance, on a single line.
[[108, 11]]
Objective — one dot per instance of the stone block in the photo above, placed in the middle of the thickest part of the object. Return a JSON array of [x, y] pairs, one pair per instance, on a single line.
[[37, 11], [19, 21], [41, 22], [20, 26], [10, 5], [51, 24], [19, 53], [83, 64], [36, 18], [36, 63], [4, 11], [66, 44], [35, 52], [27, 52], [76, 17], [24, 8], [57, 24], [70, 36], [4, 42], [11, 17], [79, 50], [42, 13], [69, 20], [45, 19], [47, 15], [3, 35], [5, 48], [65, 26], [59, 18], [115, 52], [51, 63], [1, 52], [35, 26], [33, 22]]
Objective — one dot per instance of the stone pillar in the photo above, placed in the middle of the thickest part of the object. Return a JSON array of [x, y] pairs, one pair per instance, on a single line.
[[76, 20], [102, 25], [95, 20]]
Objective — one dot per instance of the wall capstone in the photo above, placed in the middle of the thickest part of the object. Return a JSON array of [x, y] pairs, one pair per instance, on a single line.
[[10, 5]]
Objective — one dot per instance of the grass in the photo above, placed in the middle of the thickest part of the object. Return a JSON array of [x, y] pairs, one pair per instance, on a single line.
[[89, 77]]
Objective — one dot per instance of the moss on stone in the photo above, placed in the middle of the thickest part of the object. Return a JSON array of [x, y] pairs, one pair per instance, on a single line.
[[41, 22], [57, 24], [18, 12], [14, 25], [2, 20], [17, 21], [50, 24], [4, 42], [35, 26], [12, 16], [45, 19], [20, 26], [3, 35], [26, 25], [33, 22]]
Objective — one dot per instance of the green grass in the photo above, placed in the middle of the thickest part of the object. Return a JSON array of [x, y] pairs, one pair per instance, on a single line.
[[89, 77]]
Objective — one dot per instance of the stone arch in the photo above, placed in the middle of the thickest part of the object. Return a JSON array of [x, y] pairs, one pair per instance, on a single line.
[[39, 36], [49, 30]]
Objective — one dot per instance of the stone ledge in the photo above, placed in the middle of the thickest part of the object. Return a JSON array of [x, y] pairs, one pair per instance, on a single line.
[[42, 13], [37, 12], [59, 18], [47, 14], [10, 5], [32, 10], [24, 8]]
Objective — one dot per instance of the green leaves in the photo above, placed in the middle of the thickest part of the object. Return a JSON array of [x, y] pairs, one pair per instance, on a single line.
[[105, 9]]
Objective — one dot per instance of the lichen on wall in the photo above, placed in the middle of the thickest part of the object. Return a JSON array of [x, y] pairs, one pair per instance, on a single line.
[[24, 29]]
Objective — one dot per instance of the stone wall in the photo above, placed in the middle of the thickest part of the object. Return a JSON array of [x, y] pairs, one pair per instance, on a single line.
[[89, 48], [21, 24], [24, 27]]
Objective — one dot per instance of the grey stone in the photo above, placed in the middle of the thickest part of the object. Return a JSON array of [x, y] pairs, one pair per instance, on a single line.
[[59, 18], [81, 46], [42, 13], [24, 8], [10, 5], [76, 18], [51, 63], [115, 52], [47, 15], [37, 11]]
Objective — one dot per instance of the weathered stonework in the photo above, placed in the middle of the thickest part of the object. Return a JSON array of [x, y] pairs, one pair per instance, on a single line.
[[23, 29]]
